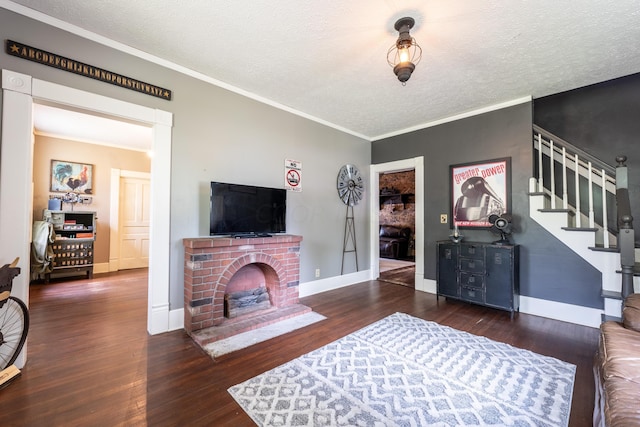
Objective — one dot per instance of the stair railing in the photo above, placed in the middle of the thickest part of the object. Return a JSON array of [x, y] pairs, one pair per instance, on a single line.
[[556, 162], [626, 239]]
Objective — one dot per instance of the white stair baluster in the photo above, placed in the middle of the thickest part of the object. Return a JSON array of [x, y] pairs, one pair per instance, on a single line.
[[540, 175], [552, 184], [591, 216], [578, 213], [565, 196], [605, 227]]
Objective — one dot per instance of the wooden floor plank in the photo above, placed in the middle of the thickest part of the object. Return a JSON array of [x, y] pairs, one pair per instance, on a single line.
[[91, 361], [405, 276]]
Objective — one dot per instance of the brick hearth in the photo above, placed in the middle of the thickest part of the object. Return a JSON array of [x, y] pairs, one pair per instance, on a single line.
[[211, 263]]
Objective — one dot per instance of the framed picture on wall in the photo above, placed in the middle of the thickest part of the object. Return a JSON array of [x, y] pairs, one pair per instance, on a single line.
[[478, 190], [70, 177]]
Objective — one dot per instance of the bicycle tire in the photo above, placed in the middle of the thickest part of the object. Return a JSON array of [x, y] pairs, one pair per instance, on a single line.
[[14, 326]]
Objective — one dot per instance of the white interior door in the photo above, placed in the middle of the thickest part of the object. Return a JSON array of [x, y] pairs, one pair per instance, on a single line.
[[134, 222]]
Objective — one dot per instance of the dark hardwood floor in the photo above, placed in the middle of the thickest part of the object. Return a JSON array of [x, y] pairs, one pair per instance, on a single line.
[[92, 363], [405, 276]]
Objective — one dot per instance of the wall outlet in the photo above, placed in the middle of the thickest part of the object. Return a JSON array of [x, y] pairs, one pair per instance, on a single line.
[[443, 218], [317, 272]]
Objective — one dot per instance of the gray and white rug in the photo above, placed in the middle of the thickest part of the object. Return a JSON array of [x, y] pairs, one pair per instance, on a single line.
[[404, 371]]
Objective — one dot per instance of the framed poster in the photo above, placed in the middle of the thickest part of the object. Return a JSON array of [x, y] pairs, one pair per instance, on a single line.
[[478, 190], [71, 177]]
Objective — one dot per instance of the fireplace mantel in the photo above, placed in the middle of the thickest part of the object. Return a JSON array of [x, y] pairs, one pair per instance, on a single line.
[[211, 262]]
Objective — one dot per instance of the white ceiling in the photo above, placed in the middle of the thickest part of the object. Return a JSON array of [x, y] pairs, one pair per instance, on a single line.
[[327, 59], [76, 126]]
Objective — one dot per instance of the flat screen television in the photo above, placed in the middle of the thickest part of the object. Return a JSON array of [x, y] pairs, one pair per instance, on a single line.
[[246, 210]]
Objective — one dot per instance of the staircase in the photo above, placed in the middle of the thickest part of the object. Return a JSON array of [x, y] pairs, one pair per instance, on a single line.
[[581, 200]]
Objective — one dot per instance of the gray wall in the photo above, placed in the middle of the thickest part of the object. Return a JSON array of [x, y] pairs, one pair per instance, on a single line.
[[603, 120], [219, 135], [548, 269]]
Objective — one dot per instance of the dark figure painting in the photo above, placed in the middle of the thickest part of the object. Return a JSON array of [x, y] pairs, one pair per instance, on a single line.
[[478, 201], [479, 190]]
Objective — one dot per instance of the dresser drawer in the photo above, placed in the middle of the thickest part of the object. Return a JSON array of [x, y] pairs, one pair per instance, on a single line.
[[472, 265], [471, 280], [472, 251], [472, 294]]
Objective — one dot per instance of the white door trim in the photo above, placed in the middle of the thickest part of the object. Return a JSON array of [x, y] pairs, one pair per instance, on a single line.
[[16, 192], [416, 163]]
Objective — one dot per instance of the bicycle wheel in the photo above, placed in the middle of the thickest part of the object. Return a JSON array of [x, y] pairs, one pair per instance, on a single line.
[[14, 325]]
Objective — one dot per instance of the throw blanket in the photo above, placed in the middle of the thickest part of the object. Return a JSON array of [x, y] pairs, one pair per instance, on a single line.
[[41, 251]]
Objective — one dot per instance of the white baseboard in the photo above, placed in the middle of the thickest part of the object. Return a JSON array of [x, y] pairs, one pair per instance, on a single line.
[[323, 285], [538, 307], [103, 267], [426, 285], [579, 315], [158, 319], [176, 319], [613, 307], [330, 283]]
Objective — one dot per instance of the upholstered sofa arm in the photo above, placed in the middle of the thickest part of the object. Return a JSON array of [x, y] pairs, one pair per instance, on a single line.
[[394, 241], [631, 312], [394, 231], [617, 369]]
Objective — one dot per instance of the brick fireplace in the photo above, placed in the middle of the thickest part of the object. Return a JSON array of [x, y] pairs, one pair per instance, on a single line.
[[215, 266]]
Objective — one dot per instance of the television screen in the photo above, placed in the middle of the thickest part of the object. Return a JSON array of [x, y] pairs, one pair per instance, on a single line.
[[246, 209]]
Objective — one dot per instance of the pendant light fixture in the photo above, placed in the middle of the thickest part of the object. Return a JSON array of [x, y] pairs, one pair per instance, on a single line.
[[405, 54]]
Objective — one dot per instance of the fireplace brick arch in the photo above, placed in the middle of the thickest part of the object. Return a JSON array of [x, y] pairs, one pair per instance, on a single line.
[[210, 263], [275, 275]]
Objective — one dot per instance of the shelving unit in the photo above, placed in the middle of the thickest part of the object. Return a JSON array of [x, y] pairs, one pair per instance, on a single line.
[[74, 243]]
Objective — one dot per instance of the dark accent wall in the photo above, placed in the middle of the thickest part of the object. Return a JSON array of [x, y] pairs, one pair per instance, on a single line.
[[548, 269], [602, 119]]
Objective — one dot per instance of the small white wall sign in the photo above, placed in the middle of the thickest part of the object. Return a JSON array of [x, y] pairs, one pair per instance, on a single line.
[[293, 175]]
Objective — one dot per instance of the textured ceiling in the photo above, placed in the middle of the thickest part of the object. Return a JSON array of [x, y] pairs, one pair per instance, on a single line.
[[327, 59]]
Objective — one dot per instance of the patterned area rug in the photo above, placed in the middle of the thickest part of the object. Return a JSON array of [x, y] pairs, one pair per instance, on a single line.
[[404, 371]]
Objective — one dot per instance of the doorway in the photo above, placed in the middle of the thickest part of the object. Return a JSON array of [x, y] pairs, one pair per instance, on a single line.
[[417, 165], [397, 227], [16, 169]]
